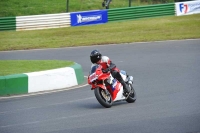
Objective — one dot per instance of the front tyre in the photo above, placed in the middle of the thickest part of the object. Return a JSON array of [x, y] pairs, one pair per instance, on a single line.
[[103, 98], [132, 97]]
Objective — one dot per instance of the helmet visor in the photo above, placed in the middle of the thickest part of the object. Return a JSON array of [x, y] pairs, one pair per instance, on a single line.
[[94, 59]]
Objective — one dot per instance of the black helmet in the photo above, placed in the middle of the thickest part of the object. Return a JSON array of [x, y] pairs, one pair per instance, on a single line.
[[95, 56]]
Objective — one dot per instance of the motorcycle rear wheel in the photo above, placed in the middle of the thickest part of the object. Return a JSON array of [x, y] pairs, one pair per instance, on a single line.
[[102, 98], [132, 97]]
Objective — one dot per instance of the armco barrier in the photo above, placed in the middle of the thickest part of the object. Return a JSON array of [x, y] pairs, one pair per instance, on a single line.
[[64, 20], [43, 21], [7, 23], [41, 81], [141, 12]]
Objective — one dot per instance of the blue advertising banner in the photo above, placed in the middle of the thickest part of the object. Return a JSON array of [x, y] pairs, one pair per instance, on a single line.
[[89, 17]]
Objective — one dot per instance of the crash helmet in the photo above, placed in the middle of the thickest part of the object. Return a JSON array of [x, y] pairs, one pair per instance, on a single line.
[[95, 56]]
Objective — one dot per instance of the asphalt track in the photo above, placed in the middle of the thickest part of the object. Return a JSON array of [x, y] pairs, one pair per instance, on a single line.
[[166, 79]]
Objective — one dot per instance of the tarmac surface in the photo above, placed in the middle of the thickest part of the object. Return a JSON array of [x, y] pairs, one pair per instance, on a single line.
[[166, 79]]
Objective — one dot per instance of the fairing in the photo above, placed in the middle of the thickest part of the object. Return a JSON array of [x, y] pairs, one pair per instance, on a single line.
[[96, 75]]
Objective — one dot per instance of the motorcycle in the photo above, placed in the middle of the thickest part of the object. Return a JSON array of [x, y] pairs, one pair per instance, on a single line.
[[108, 90]]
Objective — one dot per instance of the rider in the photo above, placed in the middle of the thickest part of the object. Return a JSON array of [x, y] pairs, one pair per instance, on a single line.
[[107, 65]]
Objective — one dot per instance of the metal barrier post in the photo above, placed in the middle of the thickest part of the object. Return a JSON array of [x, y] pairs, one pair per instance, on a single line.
[[129, 3], [67, 6]]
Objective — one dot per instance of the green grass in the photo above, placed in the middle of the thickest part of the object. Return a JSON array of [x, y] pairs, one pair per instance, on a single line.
[[35, 7], [153, 29], [8, 67]]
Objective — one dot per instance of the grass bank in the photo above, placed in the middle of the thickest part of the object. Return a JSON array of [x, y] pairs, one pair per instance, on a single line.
[[8, 67], [153, 29], [36, 7]]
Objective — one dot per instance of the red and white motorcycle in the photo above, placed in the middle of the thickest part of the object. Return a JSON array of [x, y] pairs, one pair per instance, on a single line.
[[107, 89]]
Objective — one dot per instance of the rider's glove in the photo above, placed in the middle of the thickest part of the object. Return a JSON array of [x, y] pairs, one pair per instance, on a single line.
[[106, 70]]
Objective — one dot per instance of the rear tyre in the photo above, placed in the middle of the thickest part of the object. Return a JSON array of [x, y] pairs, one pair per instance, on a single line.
[[132, 97], [103, 98]]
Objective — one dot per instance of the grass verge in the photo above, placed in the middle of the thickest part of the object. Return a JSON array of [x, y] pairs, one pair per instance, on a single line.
[[8, 67], [36, 7], [153, 29], [149, 29]]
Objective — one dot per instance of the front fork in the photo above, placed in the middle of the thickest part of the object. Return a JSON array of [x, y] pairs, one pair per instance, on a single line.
[[106, 90]]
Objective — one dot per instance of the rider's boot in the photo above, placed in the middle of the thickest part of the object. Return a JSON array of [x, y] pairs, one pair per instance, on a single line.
[[117, 75], [126, 88]]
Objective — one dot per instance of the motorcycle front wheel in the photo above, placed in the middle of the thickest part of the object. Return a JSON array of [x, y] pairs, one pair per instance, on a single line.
[[132, 97], [103, 97]]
